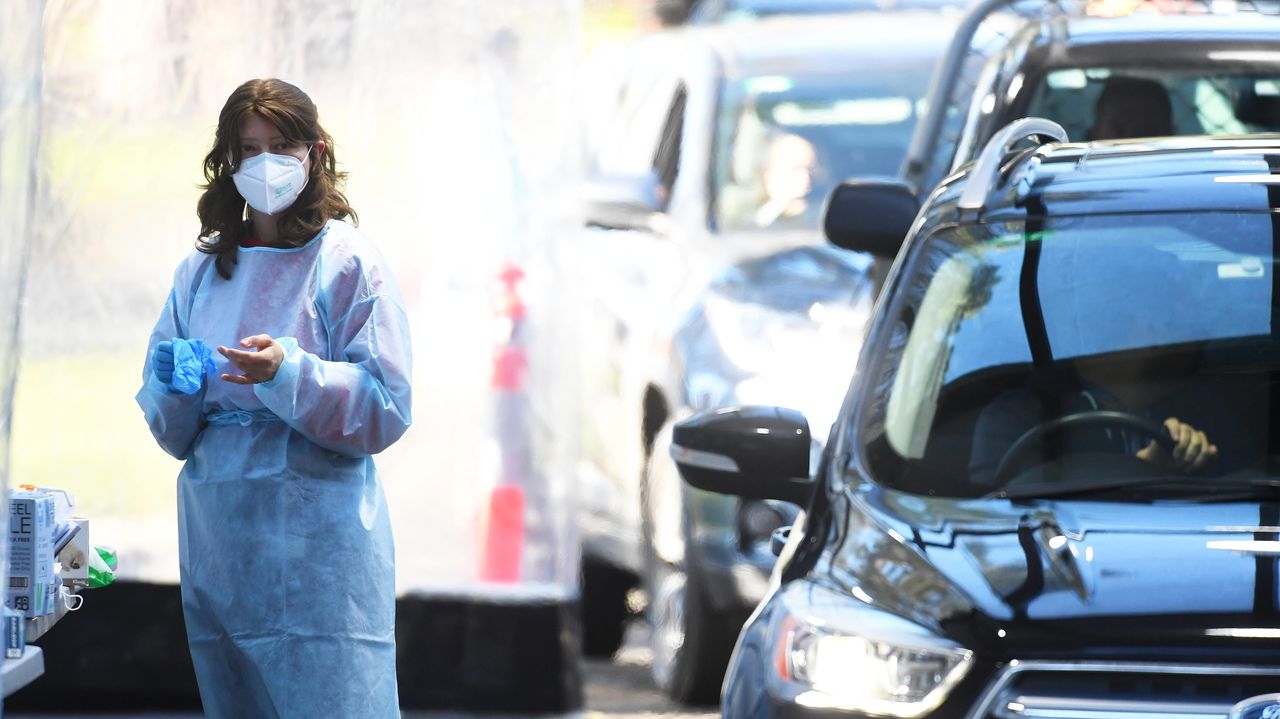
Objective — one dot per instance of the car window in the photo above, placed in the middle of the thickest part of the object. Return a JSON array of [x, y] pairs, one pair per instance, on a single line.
[[1112, 103], [783, 141], [997, 330], [630, 141]]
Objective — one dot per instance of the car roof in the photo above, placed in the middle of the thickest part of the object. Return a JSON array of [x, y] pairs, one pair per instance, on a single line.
[[1135, 39], [1192, 174], [835, 43], [717, 10]]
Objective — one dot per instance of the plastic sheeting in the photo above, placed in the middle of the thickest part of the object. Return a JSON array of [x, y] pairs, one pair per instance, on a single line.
[[19, 142], [456, 122]]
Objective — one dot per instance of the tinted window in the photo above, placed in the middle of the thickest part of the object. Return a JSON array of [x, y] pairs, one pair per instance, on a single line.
[[999, 330]]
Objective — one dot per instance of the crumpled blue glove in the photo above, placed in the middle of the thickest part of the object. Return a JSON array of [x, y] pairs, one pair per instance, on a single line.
[[162, 362], [191, 360]]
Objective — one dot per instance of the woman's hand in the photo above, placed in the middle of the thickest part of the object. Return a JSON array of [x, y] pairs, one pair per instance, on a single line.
[[1192, 450], [259, 365]]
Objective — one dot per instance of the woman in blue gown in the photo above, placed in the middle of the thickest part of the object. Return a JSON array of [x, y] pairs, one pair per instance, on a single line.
[[287, 561]]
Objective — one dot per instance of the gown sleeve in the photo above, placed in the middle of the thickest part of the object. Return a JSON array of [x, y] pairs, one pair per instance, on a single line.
[[357, 405], [175, 418]]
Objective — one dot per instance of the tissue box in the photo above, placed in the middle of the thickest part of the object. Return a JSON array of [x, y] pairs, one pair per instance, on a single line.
[[31, 580], [75, 557]]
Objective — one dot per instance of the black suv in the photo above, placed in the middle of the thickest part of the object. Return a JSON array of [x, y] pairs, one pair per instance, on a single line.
[[1187, 73], [1054, 486]]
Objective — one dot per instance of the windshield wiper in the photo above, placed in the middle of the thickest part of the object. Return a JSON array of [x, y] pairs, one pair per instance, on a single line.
[[1233, 490], [1104, 486]]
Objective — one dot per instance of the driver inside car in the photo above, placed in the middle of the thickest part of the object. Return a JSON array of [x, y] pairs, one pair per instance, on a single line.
[[1135, 384]]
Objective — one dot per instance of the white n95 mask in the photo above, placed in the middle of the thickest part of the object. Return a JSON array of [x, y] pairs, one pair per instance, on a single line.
[[270, 183]]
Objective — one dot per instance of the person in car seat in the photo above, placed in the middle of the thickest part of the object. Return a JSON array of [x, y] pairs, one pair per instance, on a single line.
[[1139, 374], [787, 177], [1131, 107], [1129, 386]]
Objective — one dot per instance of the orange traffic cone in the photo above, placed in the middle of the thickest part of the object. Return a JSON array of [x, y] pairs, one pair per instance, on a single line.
[[504, 535]]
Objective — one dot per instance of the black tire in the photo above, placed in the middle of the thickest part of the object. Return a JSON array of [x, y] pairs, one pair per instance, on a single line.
[[691, 641], [604, 608]]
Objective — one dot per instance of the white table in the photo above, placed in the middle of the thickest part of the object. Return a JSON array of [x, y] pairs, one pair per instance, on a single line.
[[20, 672]]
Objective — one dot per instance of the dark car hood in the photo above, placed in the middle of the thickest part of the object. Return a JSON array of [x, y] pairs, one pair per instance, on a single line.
[[724, 250], [1049, 575], [793, 278], [803, 307]]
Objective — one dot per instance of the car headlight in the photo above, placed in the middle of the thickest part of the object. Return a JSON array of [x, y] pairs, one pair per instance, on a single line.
[[888, 666]]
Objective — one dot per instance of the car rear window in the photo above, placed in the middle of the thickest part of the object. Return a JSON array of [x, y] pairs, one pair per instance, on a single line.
[[1156, 102], [779, 136]]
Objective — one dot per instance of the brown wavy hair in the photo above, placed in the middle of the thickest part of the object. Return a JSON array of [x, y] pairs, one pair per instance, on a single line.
[[221, 208]]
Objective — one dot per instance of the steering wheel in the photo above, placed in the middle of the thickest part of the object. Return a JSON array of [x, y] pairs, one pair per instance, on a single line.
[[1089, 418]]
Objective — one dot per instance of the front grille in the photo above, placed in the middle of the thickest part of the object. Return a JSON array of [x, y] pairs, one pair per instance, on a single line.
[[1045, 690]]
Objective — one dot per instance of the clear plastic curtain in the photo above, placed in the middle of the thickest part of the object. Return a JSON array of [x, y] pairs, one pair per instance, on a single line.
[[20, 89], [455, 120]]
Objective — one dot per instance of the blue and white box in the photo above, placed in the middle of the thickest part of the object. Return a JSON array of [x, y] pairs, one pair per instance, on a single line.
[[31, 581]]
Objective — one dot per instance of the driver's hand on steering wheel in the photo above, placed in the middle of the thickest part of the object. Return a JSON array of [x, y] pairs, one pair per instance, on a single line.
[[1192, 450]]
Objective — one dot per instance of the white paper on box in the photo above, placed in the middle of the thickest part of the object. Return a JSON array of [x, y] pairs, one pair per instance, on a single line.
[[31, 521]]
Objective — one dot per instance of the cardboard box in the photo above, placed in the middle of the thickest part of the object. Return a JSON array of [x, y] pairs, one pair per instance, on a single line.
[[31, 580]]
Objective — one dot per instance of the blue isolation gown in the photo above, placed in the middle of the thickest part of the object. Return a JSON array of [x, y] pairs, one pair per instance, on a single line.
[[287, 561]]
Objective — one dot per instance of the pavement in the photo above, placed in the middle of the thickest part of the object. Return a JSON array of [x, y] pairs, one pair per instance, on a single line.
[[617, 689]]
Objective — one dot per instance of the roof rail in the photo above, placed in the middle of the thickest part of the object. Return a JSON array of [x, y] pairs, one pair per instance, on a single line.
[[986, 171]]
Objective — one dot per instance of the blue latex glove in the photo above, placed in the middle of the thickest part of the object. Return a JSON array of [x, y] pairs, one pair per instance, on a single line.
[[192, 359], [162, 362]]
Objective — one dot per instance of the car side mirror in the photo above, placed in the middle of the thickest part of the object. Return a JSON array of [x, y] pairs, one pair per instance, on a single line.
[[870, 215], [750, 452], [624, 202]]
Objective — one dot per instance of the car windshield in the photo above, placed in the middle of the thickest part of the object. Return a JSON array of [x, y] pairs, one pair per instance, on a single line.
[[1113, 103], [783, 141], [1054, 354]]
